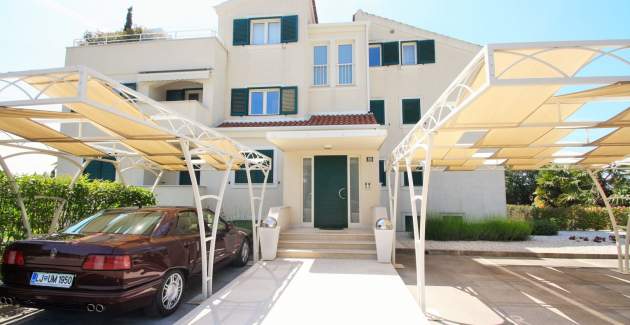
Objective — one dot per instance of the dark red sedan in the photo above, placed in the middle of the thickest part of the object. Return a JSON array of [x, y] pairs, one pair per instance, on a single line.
[[119, 259]]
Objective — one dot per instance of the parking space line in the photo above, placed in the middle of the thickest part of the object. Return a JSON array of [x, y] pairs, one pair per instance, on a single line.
[[553, 292]]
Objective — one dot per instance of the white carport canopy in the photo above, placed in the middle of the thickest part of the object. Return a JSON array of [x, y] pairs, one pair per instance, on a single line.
[[131, 127], [510, 107]]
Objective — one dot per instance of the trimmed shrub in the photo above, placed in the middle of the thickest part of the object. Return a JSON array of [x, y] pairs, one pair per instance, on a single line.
[[571, 218], [39, 192], [488, 229], [544, 227]]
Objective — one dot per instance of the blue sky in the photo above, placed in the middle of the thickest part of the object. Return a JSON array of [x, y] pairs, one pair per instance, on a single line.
[[34, 33]]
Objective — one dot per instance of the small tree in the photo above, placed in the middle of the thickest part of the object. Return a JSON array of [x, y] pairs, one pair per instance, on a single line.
[[520, 186]]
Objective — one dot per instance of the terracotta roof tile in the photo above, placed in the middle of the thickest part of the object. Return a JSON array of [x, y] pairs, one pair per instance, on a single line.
[[315, 120]]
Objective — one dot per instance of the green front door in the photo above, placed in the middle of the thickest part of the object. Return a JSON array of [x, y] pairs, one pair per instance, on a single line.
[[331, 192]]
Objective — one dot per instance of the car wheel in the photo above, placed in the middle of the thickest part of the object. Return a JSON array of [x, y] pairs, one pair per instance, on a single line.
[[243, 254], [169, 295]]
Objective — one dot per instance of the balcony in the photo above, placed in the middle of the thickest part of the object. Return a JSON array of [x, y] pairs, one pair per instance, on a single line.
[[191, 109]]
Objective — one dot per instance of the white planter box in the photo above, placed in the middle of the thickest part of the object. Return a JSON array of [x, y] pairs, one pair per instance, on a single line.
[[384, 243], [269, 242]]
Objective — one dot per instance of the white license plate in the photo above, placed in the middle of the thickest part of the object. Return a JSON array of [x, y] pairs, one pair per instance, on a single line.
[[56, 280]]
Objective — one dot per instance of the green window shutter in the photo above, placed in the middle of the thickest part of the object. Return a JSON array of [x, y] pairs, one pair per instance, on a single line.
[[101, 170], [174, 95], [240, 32], [382, 175], [289, 100], [377, 107], [426, 51], [258, 177], [289, 29], [411, 111], [240, 102], [390, 53], [417, 178], [184, 177]]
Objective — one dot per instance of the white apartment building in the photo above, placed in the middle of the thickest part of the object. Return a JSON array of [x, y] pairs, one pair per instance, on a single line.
[[326, 101]]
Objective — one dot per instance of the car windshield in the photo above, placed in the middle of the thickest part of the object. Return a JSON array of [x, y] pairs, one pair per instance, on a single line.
[[117, 222]]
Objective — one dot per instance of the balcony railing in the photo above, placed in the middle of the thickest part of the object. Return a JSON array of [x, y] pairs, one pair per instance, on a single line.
[[109, 38]]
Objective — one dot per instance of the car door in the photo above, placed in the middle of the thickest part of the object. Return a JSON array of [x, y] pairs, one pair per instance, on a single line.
[[187, 230], [220, 252]]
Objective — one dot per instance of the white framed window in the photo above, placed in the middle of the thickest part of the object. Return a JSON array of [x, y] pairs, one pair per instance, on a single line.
[[265, 31], [375, 55], [345, 59], [320, 65], [409, 53], [264, 101]]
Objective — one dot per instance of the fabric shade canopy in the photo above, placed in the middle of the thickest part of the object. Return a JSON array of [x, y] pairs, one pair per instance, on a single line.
[[510, 107], [130, 123]]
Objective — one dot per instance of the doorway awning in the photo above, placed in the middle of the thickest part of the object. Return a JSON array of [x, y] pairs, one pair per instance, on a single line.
[[354, 139]]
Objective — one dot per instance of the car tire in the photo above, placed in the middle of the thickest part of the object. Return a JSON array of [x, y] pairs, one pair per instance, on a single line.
[[243, 254], [169, 295]]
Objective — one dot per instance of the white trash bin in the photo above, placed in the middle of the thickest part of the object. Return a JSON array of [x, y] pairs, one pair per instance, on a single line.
[[269, 233], [384, 236]]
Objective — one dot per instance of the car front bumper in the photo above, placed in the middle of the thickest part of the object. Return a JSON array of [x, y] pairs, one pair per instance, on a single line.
[[117, 301]]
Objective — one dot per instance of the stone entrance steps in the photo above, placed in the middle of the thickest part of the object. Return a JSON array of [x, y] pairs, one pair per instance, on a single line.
[[315, 243]]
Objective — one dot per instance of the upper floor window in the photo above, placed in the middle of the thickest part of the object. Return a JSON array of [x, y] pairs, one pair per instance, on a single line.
[[265, 31], [409, 53], [320, 65], [264, 101], [345, 64], [375, 55], [411, 111], [270, 30]]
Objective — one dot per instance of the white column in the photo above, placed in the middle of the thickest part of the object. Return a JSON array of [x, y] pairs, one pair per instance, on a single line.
[[252, 205], [202, 229], [416, 236], [18, 197], [215, 224], [611, 215], [393, 204]]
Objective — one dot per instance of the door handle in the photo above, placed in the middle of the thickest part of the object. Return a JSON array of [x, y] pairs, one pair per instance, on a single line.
[[339, 193]]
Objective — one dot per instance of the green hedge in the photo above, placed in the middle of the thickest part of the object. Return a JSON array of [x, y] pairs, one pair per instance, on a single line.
[[86, 198], [571, 218], [444, 229]]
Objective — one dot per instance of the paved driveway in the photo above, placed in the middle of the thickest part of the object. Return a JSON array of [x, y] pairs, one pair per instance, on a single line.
[[476, 290], [222, 277]]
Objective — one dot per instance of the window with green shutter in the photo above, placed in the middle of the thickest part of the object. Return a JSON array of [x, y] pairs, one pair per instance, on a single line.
[[417, 178], [411, 111], [289, 25], [184, 177], [239, 102], [101, 170], [426, 51], [240, 32], [377, 107], [174, 95], [258, 177], [390, 53], [289, 99], [382, 175]]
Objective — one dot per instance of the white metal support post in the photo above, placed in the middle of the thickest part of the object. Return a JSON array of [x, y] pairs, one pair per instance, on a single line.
[[202, 229], [393, 203], [209, 271], [54, 224], [419, 225], [158, 178], [256, 211], [18, 196], [613, 222]]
